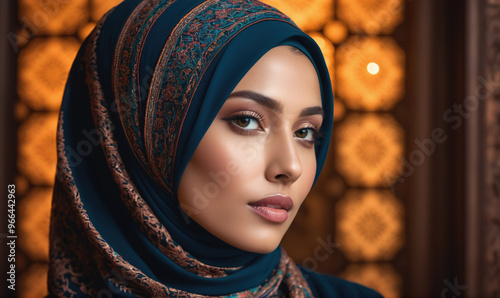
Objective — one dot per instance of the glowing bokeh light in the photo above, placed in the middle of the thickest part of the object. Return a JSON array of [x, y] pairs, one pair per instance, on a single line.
[[373, 68]]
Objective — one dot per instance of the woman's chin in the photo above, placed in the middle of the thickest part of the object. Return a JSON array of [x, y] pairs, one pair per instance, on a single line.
[[260, 248], [256, 245]]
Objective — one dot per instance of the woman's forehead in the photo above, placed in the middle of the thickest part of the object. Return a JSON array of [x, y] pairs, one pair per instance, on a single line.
[[284, 76]]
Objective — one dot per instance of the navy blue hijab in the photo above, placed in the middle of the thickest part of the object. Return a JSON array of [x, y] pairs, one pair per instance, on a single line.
[[144, 88]]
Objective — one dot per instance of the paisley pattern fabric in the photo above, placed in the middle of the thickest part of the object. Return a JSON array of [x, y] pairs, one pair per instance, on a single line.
[[144, 88]]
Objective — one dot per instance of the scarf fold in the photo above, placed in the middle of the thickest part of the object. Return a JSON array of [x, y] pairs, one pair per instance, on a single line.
[[143, 90]]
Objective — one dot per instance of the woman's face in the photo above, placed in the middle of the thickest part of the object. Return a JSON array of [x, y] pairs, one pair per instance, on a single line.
[[255, 165]]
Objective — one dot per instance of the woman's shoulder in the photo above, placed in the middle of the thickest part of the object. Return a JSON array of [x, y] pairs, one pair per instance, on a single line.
[[324, 285]]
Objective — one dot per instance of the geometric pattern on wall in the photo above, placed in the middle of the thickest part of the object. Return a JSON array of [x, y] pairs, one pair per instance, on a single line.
[[370, 73], [370, 225], [37, 148], [371, 16], [309, 15], [43, 69], [336, 31], [44, 62], [381, 277], [369, 147], [34, 218], [61, 17], [49, 40]]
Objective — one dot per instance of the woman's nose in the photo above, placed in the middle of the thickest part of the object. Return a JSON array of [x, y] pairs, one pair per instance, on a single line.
[[283, 160]]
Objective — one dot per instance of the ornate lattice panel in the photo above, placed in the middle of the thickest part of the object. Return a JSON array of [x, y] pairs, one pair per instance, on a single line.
[[373, 17], [383, 277], [367, 67], [53, 17], [369, 141], [43, 70], [369, 225], [35, 206], [370, 73], [369, 147], [49, 37], [309, 15], [37, 148]]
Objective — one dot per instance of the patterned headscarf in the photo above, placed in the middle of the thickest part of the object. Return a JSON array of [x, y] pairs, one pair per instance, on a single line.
[[144, 88]]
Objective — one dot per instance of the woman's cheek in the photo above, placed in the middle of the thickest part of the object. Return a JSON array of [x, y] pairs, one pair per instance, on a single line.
[[305, 182]]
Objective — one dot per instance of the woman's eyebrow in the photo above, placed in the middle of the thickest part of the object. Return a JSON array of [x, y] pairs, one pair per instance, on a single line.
[[273, 104], [260, 99], [312, 111]]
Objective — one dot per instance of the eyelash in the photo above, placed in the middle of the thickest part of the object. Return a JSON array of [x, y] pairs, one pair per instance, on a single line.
[[316, 135], [245, 115], [257, 117]]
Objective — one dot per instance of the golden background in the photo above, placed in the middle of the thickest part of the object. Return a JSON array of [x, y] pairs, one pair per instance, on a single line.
[[368, 71]]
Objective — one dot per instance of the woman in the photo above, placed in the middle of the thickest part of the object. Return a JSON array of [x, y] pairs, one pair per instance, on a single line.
[[187, 141]]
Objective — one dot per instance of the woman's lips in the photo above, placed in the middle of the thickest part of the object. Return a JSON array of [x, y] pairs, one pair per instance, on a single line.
[[273, 208]]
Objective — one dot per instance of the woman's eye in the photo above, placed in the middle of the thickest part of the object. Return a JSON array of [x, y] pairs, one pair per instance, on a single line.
[[246, 123], [307, 134]]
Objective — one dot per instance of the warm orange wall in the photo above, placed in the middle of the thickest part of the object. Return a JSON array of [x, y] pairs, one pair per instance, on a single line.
[[352, 205]]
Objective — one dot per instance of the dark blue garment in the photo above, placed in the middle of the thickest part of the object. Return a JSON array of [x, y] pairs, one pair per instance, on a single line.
[[330, 286], [143, 90]]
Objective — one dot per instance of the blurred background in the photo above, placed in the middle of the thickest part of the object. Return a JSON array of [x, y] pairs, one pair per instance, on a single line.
[[409, 200]]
